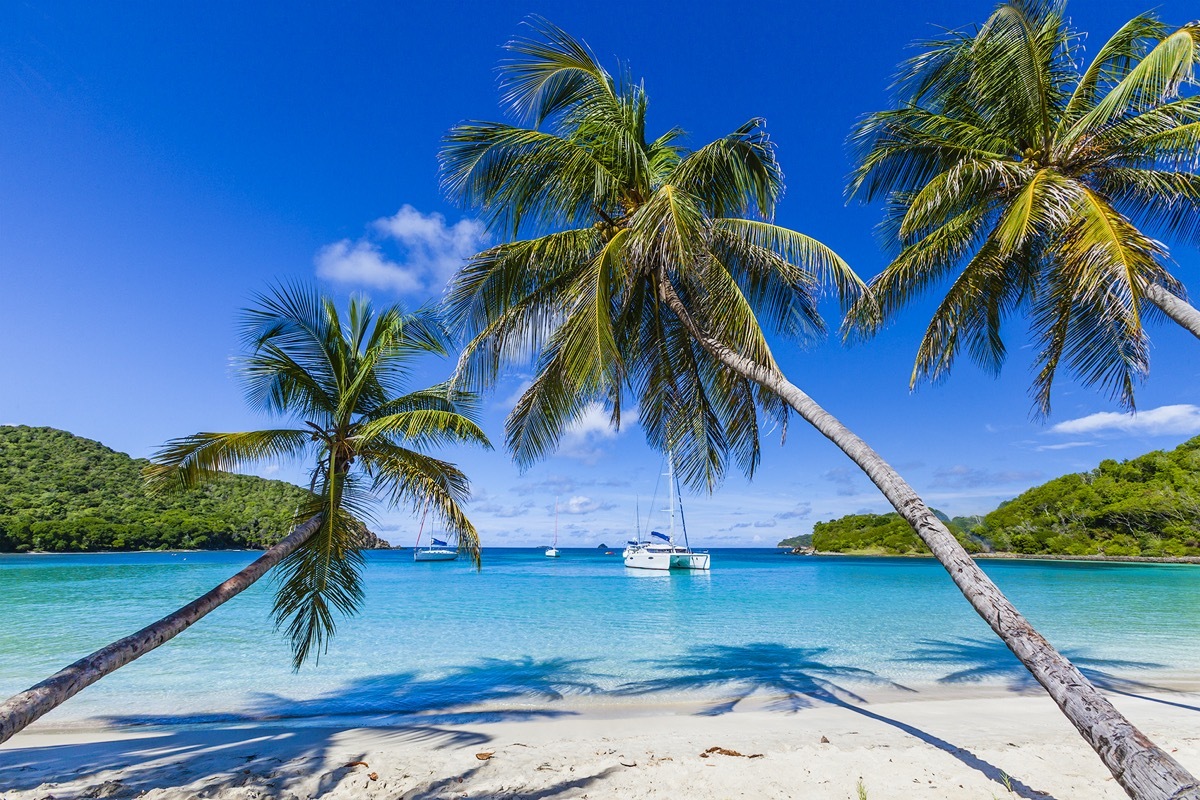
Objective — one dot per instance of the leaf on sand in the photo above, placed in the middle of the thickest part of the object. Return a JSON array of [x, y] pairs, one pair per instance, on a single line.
[[374, 776], [484, 756], [356, 764]]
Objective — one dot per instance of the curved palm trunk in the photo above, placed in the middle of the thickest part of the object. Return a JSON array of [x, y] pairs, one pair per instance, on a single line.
[[1179, 310], [1143, 769], [22, 709]]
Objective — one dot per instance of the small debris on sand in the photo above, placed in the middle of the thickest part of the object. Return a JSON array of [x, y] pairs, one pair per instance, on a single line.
[[721, 751]]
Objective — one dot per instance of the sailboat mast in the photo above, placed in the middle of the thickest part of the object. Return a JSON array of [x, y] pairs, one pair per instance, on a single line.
[[682, 518], [420, 529], [671, 482], [556, 523], [637, 513]]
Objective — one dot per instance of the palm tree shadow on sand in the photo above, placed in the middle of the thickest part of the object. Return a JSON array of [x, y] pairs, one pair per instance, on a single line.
[[792, 679], [992, 661], [224, 750]]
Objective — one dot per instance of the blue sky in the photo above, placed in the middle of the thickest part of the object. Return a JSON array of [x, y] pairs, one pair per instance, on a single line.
[[160, 163]]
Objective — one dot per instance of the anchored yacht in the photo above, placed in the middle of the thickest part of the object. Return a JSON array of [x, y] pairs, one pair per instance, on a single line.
[[661, 552]]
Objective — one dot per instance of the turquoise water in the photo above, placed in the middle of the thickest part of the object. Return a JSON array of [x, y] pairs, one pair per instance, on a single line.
[[528, 631]]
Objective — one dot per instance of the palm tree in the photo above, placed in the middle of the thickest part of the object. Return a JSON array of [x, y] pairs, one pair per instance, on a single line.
[[341, 381], [1032, 184], [638, 269]]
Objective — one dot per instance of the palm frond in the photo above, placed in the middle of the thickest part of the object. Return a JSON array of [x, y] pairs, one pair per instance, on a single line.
[[190, 460], [551, 72], [734, 176], [322, 578]]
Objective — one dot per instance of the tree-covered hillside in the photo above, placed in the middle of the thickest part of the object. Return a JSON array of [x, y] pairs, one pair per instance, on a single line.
[[1147, 506], [883, 534], [61, 492]]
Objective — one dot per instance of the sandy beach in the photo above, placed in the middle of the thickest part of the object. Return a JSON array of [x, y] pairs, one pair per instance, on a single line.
[[936, 746]]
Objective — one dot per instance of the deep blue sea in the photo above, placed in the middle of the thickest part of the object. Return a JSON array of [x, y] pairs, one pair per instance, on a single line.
[[529, 632]]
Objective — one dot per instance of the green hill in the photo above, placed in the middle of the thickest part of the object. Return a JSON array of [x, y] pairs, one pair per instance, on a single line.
[[61, 492], [880, 534], [1146, 506]]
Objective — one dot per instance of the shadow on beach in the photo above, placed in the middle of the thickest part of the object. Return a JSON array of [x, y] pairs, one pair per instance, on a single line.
[[794, 678], [991, 661], [222, 750]]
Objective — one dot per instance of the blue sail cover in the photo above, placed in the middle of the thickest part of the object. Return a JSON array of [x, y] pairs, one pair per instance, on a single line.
[[630, 541], [662, 536], [438, 542]]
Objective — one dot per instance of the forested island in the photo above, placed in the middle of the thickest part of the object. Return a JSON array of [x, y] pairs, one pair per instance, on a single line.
[[63, 493], [1148, 506]]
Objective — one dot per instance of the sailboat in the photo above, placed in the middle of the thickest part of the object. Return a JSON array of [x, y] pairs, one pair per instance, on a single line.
[[437, 549], [660, 551], [552, 550]]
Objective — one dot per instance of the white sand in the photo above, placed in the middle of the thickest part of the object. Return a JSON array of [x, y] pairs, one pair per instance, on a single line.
[[960, 747]]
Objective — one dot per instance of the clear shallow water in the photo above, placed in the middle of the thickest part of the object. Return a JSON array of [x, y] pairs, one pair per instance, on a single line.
[[438, 638]]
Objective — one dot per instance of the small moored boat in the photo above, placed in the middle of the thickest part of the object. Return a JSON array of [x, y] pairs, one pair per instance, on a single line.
[[552, 550], [437, 549], [661, 552]]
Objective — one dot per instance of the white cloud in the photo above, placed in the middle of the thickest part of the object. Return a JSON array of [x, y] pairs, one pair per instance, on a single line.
[[1183, 419], [1063, 446], [430, 252], [582, 504], [363, 263], [585, 438]]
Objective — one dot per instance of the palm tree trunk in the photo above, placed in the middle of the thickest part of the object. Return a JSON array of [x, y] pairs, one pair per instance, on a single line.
[[1179, 310], [1143, 769], [22, 709]]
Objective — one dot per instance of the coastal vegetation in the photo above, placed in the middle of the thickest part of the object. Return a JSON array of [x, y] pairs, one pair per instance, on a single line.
[[63, 493], [1145, 506], [338, 376], [635, 269], [879, 534]]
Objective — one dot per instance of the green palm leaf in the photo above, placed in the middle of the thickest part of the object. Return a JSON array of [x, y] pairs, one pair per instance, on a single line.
[[342, 376], [1028, 181]]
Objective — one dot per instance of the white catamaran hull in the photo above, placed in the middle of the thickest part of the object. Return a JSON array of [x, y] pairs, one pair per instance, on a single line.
[[664, 559], [435, 555]]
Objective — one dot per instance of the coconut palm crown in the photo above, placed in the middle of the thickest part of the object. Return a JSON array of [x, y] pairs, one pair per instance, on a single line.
[[603, 223], [1028, 181], [342, 380]]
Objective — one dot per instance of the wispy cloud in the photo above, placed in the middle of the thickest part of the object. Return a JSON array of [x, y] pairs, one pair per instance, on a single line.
[[495, 509], [1182, 419], [1063, 446], [963, 477], [801, 511], [429, 251], [844, 479], [554, 485]]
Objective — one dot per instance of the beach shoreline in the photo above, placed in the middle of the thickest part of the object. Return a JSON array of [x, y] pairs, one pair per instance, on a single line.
[[950, 745]]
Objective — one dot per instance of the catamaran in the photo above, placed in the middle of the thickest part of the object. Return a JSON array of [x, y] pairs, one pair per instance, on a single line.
[[437, 549], [552, 550], [660, 551]]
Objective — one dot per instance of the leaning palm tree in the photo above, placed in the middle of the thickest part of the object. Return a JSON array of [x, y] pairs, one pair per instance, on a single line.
[[340, 381], [1027, 182], [638, 270]]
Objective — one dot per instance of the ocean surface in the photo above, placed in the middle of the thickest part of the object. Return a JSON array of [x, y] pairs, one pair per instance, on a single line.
[[528, 635]]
